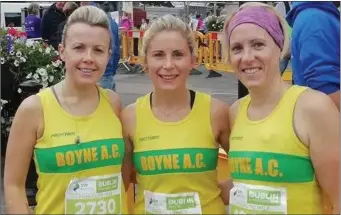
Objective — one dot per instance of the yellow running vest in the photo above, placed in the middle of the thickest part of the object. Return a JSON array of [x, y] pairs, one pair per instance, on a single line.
[[176, 162], [275, 166], [84, 177]]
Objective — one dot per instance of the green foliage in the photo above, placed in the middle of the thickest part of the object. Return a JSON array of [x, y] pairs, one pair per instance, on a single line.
[[214, 23], [28, 59], [23, 59]]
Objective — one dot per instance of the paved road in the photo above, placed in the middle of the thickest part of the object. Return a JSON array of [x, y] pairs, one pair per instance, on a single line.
[[132, 86]]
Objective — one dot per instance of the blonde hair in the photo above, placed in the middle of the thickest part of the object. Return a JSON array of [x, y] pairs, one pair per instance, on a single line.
[[33, 8], [270, 8], [90, 15], [168, 23]]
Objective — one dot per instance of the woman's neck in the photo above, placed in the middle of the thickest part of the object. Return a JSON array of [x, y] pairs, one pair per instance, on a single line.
[[171, 99], [268, 95], [81, 92]]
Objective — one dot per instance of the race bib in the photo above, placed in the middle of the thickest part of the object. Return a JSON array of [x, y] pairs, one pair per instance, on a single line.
[[180, 203], [254, 199], [94, 195]]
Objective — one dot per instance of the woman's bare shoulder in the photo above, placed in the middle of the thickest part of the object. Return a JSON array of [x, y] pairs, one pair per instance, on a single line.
[[219, 107], [115, 100], [30, 106], [128, 118], [312, 102], [30, 114]]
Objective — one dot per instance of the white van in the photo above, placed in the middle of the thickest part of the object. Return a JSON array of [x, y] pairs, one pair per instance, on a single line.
[[15, 13]]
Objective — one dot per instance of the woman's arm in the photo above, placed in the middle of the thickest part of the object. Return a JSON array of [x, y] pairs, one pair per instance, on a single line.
[[221, 126], [323, 127], [115, 101], [127, 165], [128, 123], [335, 97], [26, 128], [226, 117], [226, 187], [220, 123]]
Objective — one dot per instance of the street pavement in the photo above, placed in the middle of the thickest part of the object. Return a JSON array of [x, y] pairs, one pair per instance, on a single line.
[[132, 86]]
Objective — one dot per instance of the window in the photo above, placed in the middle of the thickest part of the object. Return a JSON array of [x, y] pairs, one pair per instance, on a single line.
[[13, 19]]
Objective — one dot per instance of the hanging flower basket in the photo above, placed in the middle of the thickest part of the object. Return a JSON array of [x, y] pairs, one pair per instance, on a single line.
[[214, 23], [21, 60]]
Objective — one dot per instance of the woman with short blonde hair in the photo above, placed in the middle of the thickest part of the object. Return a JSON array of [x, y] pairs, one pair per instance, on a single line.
[[78, 157], [173, 134]]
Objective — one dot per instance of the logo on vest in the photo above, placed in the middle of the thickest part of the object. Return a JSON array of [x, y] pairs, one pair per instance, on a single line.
[[237, 138], [269, 166], [246, 165], [62, 134], [172, 161], [148, 138], [176, 160], [72, 158], [86, 155]]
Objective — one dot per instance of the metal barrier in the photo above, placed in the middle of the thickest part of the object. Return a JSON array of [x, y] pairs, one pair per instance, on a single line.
[[134, 41], [216, 61], [131, 43], [208, 49], [200, 46]]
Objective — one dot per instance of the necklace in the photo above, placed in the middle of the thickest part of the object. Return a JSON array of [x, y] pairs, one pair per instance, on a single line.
[[167, 114], [77, 140]]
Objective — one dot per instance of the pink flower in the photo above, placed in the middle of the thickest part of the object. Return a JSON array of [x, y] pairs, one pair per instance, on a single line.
[[12, 32]]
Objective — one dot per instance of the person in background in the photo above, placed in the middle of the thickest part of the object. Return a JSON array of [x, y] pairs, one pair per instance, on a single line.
[[126, 22], [85, 3], [49, 25], [285, 139], [88, 3], [201, 24], [72, 130], [33, 22], [68, 9], [193, 23], [144, 25], [208, 15], [315, 46], [108, 79]]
